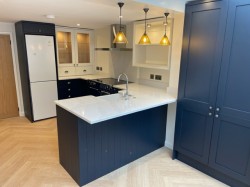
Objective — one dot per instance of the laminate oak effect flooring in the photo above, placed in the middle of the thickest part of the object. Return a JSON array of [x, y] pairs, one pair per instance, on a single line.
[[29, 158]]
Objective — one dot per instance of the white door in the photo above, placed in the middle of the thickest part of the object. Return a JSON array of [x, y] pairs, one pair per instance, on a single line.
[[43, 95], [41, 58]]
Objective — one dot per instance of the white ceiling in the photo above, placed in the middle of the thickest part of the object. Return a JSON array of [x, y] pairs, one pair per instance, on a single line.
[[177, 5], [89, 13]]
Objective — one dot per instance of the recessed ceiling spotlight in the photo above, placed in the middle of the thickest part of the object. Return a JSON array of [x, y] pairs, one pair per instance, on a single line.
[[50, 16], [78, 24]]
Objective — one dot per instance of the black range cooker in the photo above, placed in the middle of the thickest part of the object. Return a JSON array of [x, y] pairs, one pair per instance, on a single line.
[[98, 87]]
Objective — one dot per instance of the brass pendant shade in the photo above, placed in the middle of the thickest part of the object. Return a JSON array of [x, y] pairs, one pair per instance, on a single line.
[[145, 39], [120, 36], [165, 40]]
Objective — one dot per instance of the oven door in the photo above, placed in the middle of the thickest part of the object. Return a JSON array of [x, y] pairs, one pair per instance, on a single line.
[[104, 93], [94, 91]]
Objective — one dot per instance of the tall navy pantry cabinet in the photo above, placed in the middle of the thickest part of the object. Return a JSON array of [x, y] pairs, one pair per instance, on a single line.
[[213, 111]]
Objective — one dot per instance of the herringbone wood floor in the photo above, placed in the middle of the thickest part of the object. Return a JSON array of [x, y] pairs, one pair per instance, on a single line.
[[29, 157]]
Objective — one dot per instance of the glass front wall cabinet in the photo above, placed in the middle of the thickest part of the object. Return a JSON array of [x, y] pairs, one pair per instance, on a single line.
[[64, 47], [83, 48], [75, 49]]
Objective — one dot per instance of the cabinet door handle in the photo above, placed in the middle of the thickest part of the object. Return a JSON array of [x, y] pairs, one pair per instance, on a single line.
[[94, 88], [66, 71], [210, 108], [69, 96], [216, 115], [106, 93], [217, 109], [210, 113], [69, 89], [69, 82], [84, 70]]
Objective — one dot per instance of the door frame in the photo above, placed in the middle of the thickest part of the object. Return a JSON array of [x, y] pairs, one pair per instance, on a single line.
[[16, 71]]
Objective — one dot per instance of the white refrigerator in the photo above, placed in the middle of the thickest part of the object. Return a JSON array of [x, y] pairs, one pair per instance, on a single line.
[[42, 75]]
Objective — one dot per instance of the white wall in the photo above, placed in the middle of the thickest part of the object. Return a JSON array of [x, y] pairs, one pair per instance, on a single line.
[[121, 62], [102, 58], [9, 28], [174, 76], [144, 77]]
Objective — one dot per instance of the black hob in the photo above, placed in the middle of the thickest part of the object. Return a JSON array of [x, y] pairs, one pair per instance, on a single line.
[[110, 81], [98, 87]]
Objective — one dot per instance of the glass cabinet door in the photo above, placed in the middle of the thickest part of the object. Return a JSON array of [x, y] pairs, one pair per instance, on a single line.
[[83, 48], [64, 46]]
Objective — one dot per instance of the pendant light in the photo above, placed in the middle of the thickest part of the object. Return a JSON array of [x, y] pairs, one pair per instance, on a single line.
[[120, 36], [165, 40], [145, 39]]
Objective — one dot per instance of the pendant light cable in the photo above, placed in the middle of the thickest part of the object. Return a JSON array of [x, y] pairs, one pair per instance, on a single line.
[[146, 11], [166, 14], [145, 22], [120, 5]]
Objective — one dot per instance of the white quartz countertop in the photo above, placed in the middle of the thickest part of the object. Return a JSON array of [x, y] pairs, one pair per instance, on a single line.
[[97, 109], [86, 77]]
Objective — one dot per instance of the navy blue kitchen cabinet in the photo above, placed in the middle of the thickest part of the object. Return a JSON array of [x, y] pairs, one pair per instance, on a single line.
[[89, 151], [71, 88], [213, 111], [230, 148], [202, 44]]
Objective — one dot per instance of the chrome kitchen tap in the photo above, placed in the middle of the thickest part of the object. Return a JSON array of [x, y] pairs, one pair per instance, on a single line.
[[123, 74]]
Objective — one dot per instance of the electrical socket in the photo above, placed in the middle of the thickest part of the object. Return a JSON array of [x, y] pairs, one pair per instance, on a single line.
[[152, 76], [97, 67], [157, 77], [100, 68]]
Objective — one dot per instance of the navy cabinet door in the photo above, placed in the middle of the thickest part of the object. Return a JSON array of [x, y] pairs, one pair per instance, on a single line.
[[230, 149], [200, 68], [65, 89], [80, 88]]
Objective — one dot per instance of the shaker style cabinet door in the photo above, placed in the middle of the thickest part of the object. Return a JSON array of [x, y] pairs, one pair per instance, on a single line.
[[200, 66], [230, 148]]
